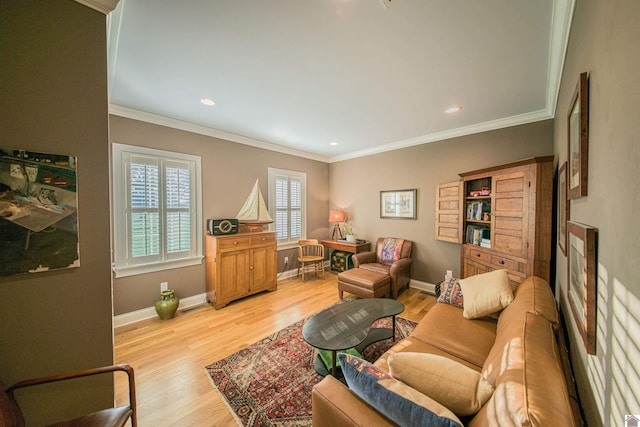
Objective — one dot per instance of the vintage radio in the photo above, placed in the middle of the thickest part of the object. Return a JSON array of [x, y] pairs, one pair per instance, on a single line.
[[222, 226]]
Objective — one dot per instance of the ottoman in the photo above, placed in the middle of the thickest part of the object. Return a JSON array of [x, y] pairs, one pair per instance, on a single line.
[[364, 283]]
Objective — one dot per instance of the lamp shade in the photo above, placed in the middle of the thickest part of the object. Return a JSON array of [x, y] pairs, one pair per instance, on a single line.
[[336, 216]]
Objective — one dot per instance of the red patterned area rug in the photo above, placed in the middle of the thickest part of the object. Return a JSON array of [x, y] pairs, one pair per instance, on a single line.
[[269, 383]]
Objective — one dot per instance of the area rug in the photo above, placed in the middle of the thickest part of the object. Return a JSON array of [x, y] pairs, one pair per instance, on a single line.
[[269, 383]]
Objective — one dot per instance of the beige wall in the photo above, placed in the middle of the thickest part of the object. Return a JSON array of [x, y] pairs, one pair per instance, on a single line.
[[604, 41], [53, 75], [355, 186], [229, 171]]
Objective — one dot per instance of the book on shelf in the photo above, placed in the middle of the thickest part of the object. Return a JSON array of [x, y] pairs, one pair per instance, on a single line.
[[476, 233], [475, 210], [485, 243]]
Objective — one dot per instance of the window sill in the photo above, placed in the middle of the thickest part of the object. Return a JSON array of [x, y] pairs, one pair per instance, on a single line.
[[151, 268]]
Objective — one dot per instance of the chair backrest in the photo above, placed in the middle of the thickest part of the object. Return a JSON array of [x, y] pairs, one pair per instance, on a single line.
[[10, 414], [405, 251], [310, 247]]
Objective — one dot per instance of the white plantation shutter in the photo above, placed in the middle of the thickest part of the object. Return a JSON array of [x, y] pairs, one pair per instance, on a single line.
[[287, 201], [157, 210]]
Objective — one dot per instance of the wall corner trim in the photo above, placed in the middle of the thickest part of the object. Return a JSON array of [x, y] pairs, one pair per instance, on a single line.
[[103, 6]]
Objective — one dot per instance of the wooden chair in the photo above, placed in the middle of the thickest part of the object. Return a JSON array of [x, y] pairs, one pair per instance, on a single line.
[[310, 252], [11, 415]]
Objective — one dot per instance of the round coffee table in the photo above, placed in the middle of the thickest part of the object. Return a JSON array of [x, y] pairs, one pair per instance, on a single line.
[[348, 324]]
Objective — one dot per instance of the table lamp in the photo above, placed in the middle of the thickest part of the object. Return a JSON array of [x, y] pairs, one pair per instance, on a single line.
[[337, 217]]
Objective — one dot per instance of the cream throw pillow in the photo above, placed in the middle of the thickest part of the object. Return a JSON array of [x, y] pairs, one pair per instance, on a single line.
[[486, 293], [452, 384]]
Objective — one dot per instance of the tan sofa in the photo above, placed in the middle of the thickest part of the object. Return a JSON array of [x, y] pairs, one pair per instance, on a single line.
[[518, 354]]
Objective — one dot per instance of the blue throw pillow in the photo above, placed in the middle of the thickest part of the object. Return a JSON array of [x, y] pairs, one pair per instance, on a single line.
[[396, 400]]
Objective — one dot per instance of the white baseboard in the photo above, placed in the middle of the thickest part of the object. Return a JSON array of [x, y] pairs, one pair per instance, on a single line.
[[423, 286], [150, 312]]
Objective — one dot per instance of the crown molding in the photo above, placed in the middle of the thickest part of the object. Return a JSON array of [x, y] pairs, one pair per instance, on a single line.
[[506, 122], [103, 6], [561, 19], [142, 116]]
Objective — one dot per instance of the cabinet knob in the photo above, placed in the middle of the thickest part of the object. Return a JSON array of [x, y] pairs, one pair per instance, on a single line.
[[478, 255], [251, 268], [235, 242], [501, 261]]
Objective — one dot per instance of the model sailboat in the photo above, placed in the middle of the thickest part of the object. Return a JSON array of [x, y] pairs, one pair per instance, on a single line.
[[254, 212]]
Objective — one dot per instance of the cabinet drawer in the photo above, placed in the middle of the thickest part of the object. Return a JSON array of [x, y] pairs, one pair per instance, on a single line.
[[479, 255], [503, 262], [230, 244], [264, 239]]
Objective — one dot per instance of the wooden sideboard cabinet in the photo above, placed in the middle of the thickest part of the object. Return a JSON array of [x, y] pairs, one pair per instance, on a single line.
[[239, 265], [502, 216]]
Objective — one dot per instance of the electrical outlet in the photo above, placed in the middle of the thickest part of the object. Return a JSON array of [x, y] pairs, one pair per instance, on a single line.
[[164, 286], [286, 260]]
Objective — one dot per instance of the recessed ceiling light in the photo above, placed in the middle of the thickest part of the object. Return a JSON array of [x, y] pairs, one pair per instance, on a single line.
[[333, 143], [453, 109], [207, 101]]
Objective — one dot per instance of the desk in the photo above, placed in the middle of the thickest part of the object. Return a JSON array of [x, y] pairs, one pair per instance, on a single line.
[[343, 245]]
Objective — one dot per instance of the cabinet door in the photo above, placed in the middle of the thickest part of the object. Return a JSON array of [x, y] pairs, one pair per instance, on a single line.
[[233, 274], [263, 268], [510, 223], [449, 201]]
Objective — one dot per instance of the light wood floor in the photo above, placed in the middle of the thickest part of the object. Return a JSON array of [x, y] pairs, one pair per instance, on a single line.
[[169, 357]]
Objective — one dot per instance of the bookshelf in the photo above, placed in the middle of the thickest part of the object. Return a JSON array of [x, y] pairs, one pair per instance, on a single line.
[[503, 217]]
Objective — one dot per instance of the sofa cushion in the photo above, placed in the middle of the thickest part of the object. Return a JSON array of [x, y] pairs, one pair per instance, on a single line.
[[450, 293], [413, 344], [396, 400], [530, 385], [533, 295], [445, 328], [457, 387], [486, 293]]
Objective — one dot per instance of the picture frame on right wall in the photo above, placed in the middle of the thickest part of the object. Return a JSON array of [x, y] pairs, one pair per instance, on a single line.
[[578, 138], [581, 288], [563, 208]]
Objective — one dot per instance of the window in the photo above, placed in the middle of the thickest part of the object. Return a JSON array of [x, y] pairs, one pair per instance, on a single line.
[[156, 210], [287, 200]]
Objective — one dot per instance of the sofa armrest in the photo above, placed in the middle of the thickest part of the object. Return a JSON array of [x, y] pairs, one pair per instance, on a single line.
[[335, 405], [363, 258]]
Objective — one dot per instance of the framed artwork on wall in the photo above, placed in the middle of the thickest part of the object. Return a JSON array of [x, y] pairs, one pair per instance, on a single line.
[[581, 288], [38, 212], [578, 138], [398, 204], [563, 208]]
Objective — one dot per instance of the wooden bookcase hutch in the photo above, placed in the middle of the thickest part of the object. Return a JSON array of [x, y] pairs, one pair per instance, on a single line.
[[502, 217]]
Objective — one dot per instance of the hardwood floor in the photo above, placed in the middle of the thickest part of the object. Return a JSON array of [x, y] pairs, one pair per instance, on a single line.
[[169, 357]]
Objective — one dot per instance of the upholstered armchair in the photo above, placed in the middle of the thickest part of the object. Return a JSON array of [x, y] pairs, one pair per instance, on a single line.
[[392, 256]]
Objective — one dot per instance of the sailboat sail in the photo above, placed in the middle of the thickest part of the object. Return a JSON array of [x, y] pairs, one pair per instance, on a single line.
[[254, 209]]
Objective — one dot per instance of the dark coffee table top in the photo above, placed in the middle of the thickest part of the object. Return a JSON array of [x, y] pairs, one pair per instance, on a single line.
[[346, 325]]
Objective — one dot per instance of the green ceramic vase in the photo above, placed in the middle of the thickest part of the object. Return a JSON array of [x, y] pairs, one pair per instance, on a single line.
[[167, 305]]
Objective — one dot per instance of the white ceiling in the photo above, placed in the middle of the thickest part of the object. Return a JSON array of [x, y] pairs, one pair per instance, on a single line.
[[295, 75]]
